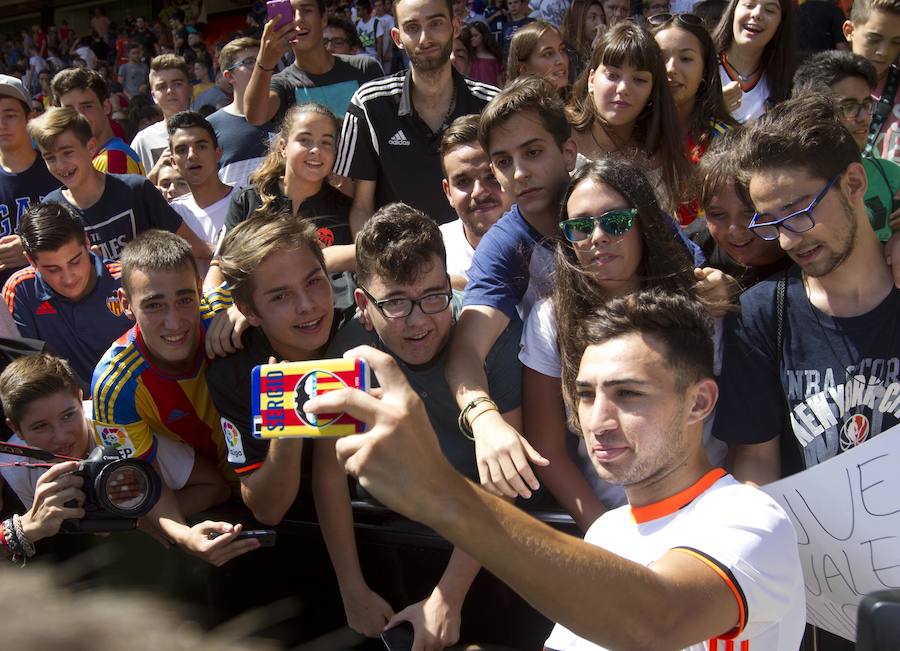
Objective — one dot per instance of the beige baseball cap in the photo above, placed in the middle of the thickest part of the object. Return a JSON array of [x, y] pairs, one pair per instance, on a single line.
[[13, 87]]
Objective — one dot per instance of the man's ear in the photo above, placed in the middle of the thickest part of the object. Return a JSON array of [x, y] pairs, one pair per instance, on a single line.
[[29, 259], [12, 426], [107, 107], [125, 303], [855, 182], [395, 36], [703, 396], [570, 153], [362, 308], [92, 146], [847, 28], [445, 185]]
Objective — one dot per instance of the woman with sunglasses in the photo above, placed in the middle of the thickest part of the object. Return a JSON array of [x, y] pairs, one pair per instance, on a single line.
[[614, 240], [623, 105], [692, 70], [754, 40]]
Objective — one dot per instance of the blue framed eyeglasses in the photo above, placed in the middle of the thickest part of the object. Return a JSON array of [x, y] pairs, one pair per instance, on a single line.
[[797, 222]]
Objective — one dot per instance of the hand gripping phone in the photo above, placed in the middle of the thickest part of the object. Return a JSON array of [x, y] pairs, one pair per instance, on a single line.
[[279, 392]]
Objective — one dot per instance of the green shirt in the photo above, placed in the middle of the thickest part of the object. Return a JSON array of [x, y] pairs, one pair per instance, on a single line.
[[884, 183]]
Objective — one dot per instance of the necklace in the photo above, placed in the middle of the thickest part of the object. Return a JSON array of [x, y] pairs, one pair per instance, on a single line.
[[446, 121], [743, 79]]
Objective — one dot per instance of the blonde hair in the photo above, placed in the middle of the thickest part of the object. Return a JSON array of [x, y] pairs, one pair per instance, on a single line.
[[228, 54], [266, 180], [54, 122]]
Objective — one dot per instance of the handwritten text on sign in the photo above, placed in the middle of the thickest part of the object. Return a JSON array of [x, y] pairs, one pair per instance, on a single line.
[[847, 515]]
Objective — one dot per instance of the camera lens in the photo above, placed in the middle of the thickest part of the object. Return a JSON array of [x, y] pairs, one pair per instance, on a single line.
[[129, 488]]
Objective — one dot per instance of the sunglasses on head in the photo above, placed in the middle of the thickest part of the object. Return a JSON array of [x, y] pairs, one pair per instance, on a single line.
[[614, 223], [684, 19]]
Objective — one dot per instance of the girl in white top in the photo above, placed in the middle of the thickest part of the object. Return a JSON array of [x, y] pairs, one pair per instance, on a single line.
[[614, 240], [755, 44]]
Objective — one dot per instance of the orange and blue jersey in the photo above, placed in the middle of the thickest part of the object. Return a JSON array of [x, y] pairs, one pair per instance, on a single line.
[[116, 157], [134, 401]]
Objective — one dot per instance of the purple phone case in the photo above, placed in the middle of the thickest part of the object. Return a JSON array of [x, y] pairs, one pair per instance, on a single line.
[[280, 9]]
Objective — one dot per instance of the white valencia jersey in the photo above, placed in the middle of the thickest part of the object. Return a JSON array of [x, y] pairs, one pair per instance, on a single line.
[[741, 533]]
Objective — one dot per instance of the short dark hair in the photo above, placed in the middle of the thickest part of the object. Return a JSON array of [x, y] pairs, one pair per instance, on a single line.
[[156, 250], [48, 226], [822, 69], [397, 243], [462, 131], [336, 22], [448, 3], [78, 79], [248, 244], [680, 323], [32, 377], [719, 167], [534, 95], [861, 9], [190, 120], [800, 132]]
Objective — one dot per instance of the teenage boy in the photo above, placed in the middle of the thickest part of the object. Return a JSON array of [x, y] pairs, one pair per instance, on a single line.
[[170, 182], [874, 32], [696, 559], [792, 401], [392, 132], [316, 75], [292, 318], [151, 382], [170, 87], [385, 53], [67, 297], [407, 308], [86, 92], [42, 402], [472, 191], [113, 207], [134, 74], [518, 17], [24, 178], [850, 78], [339, 37], [196, 153], [243, 145], [526, 134], [368, 28]]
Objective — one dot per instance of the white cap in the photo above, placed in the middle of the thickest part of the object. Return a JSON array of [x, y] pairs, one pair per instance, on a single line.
[[13, 87]]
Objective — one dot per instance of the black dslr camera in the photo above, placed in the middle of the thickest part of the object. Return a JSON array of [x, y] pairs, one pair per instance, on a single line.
[[117, 492]]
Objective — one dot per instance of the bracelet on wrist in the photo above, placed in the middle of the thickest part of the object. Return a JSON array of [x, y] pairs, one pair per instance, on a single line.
[[260, 66], [465, 425]]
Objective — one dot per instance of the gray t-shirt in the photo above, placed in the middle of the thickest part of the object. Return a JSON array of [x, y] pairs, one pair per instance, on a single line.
[[333, 89], [504, 374], [133, 76]]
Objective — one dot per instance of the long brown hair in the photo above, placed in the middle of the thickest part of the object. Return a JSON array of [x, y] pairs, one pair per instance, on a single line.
[[267, 178], [665, 264], [656, 129]]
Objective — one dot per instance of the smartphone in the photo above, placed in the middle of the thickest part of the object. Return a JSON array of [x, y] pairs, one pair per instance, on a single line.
[[266, 537], [279, 391], [280, 10], [399, 638]]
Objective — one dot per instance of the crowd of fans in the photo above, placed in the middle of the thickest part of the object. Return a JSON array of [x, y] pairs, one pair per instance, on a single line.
[[532, 216]]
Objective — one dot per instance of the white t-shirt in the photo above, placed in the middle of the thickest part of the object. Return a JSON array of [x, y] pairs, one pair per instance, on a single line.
[[459, 251], [175, 461], [753, 101], [206, 222], [150, 142], [738, 531]]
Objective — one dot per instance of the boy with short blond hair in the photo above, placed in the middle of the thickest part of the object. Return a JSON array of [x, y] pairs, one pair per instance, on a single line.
[[170, 87], [115, 208]]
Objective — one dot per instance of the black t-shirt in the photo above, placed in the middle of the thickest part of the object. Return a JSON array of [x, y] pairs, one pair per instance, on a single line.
[[716, 258], [818, 26], [129, 205], [329, 210], [837, 384], [333, 89]]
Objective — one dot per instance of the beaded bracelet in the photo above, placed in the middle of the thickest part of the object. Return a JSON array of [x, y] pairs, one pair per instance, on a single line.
[[464, 425], [27, 546]]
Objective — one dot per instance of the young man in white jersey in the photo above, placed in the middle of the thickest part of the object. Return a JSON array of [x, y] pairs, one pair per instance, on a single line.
[[695, 561]]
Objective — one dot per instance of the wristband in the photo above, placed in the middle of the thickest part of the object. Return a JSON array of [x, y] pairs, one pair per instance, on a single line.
[[463, 422], [272, 69], [24, 543]]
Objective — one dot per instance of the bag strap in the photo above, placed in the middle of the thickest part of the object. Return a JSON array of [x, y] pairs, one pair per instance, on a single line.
[[883, 108], [780, 307]]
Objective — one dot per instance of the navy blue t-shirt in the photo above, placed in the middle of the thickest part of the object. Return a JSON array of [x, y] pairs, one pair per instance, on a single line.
[[241, 142], [19, 191], [129, 205], [80, 332], [838, 383]]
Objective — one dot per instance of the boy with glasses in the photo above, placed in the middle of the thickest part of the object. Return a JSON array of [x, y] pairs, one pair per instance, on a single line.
[[800, 388], [850, 78], [407, 309]]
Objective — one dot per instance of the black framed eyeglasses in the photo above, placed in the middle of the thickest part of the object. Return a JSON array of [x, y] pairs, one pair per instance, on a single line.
[[685, 19], [614, 223], [797, 222], [400, 308], [249, 61], [337, 41], [852, 110]]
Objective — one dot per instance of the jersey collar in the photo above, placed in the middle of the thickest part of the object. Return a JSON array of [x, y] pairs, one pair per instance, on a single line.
[[671, 504]]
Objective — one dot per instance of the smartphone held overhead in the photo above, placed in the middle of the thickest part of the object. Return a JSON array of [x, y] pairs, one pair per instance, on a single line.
[[281, 11]]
